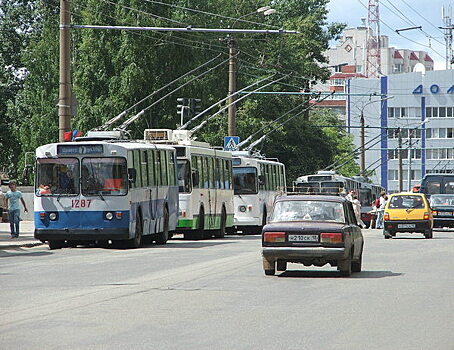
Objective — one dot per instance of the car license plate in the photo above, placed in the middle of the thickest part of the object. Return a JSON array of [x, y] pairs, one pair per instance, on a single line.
[[447, 213], [406, 225], [303, 238]]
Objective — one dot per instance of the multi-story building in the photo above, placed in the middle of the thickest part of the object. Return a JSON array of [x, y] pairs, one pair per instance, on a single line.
[[348, 61], [419, 106], [351, 50]]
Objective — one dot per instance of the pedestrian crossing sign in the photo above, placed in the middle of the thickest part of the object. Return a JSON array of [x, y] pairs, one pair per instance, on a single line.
[[231, 143]]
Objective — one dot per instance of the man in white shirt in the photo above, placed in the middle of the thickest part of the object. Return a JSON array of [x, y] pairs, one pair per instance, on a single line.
[[381, 210]]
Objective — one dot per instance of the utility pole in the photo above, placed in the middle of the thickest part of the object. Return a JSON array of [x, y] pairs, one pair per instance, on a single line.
[[400, 168], [232, 87], [363, 149], [64, 92], [409, 160], [448, 28]]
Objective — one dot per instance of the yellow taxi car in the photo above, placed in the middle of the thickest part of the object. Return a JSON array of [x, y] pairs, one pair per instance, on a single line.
[[407, 212]]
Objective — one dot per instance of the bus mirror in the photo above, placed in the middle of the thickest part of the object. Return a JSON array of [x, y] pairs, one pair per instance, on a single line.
[[132, 174], [261, 180], [195, 178]]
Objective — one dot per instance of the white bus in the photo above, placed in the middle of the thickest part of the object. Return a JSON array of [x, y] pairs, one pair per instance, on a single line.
[[101, 191], [205, 184], [257, 182]]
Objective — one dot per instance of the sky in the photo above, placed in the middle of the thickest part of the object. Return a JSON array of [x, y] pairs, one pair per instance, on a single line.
[[399, 14]]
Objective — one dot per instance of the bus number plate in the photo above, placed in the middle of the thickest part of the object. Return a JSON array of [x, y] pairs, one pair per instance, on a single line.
[[80, 203]]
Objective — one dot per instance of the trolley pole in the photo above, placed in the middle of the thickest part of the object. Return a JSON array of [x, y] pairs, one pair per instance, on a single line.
[[409, 161], [232, 87], [64, 91], [400, 168], [363, 149]]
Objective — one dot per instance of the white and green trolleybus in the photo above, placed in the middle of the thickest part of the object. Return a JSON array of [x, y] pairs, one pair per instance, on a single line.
[[205, 184]]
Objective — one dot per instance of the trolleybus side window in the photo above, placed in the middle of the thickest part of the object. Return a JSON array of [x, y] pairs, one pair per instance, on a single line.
[[171, 164], [157, 168], [164, 173], [211, 171], [144, 165], [151, 171], [138, 182]]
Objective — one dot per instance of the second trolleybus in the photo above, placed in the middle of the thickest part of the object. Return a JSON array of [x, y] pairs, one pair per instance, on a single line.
[[205, 184]]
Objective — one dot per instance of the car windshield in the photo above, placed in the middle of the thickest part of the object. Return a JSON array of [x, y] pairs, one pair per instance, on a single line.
[[305, 210], [57, 176], [104, 176], [439, 200], [406, 202], [244, 180]]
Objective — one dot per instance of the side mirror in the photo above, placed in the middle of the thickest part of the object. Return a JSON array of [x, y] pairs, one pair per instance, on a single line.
[[132, 175], [261, 180], [195, 178]]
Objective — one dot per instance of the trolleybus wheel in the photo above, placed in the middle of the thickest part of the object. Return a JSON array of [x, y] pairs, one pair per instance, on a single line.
[[162, 237], [136, 242], [221, 232], [199, 232]]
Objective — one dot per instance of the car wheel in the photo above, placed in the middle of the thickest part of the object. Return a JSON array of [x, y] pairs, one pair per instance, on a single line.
[[345, 266], [428, 234], [356, 265], [387, 234], [281, 265], [56, 244], [269, 267]]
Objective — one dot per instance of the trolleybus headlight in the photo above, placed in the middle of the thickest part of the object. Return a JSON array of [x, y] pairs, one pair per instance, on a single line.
[[109, 215], [242, 208], [53, 216]]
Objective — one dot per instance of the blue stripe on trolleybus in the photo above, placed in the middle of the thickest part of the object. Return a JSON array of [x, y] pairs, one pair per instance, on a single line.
[[81, 220]]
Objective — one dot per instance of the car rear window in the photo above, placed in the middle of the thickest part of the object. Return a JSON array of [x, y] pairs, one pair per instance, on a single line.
[[440, 200], [405, 202], [295, 210]]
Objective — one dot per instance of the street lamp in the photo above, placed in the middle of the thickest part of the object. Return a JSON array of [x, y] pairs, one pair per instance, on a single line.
[[231, 130], [362, 164]]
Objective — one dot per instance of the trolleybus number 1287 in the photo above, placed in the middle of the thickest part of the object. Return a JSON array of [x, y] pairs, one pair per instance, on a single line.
[[81, 203]]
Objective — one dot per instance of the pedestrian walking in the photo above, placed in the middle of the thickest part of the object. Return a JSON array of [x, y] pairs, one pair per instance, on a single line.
[[357, 209], [12, 198], [381, 209]]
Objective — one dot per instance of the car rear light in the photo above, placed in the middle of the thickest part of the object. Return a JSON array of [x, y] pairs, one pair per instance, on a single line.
[[273, 237], [426, 216], [434, 212], [328, 237], [386, 217]]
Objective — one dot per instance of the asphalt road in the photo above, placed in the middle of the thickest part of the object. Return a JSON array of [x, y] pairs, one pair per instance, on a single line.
[[213, 295]]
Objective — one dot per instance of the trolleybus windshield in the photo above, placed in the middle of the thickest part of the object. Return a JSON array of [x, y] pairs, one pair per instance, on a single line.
[[332, 187], [57, 176], [105, 176], [244, 180]]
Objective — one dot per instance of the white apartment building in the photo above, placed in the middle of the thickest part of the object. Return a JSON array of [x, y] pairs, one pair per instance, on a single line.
[[350, 49], [422, 106]]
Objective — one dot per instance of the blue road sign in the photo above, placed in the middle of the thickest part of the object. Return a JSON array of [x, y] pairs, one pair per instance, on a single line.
[[231, 143]]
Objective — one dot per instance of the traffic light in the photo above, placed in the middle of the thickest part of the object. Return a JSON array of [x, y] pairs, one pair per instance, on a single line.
[[194, 106], [183, 108]]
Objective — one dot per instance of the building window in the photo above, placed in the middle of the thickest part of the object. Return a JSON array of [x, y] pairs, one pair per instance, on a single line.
[[359, 69]]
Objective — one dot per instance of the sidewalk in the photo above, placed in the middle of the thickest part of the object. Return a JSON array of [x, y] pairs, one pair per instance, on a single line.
[[25, 239]]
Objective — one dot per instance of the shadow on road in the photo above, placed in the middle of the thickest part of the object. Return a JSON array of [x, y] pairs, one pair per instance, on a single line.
[[6, 254], [336, 274]]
